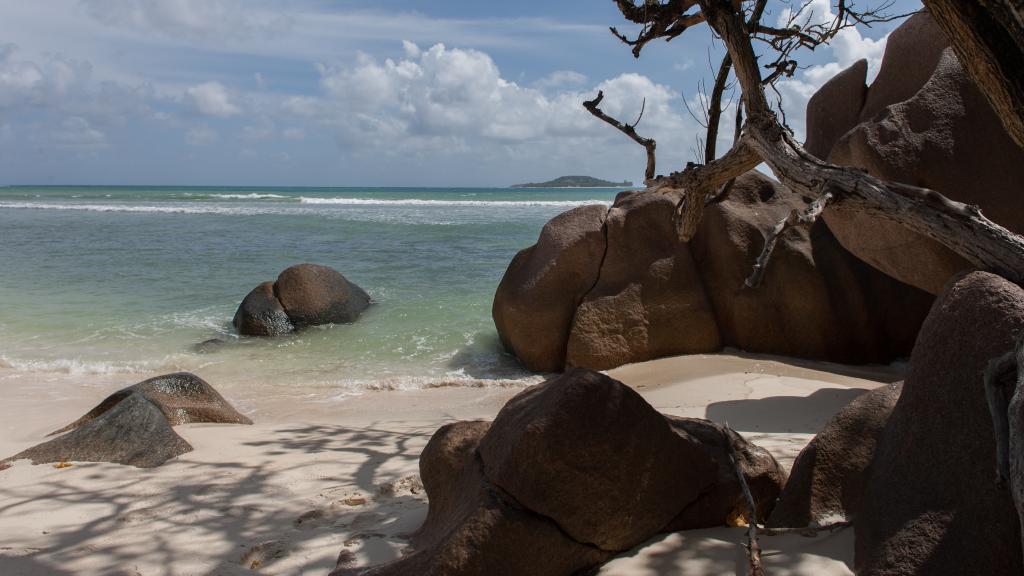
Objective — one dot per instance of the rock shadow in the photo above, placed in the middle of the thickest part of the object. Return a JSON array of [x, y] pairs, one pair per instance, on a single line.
[[803, 414]]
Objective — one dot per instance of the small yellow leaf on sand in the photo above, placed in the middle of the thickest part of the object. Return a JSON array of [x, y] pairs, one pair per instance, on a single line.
[[62, 464], [736, 518]]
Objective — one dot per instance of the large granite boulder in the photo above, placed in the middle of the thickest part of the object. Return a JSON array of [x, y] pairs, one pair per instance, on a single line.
[[536, 300], [261, 313], [931, 504], [303, 295], [645, 294], [648, 300], [827, 481], [835, 108], [816, 300], [924, 123], [133, 426], [312, 295], [570, 472]]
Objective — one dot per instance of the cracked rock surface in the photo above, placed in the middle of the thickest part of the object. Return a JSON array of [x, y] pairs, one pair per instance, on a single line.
[[607, 287]]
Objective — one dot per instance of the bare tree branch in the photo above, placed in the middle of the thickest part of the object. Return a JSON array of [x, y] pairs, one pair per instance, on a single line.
[[753, 547], [804, 218], [715, 108], [648, 143]]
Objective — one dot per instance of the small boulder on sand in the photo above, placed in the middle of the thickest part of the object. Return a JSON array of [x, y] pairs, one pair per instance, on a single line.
[[570, 472], [303, 295], [133, 426]]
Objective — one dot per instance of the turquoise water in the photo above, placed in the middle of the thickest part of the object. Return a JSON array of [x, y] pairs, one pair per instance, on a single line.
[[128, 279]]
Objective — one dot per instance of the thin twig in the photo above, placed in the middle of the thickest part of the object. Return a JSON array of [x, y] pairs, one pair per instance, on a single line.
[[806, 530], [648, 143], [753, 547]]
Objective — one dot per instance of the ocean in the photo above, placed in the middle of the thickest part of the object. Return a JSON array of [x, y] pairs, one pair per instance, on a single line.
[[127, 280]]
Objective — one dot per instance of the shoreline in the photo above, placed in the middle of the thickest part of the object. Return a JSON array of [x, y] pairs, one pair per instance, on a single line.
[[315, 478]]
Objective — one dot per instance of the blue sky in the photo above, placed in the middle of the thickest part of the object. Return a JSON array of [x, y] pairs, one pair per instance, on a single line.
[[339, 93]]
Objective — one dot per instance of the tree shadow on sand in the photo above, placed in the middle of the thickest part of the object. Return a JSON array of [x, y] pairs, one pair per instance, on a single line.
[[233, 515]]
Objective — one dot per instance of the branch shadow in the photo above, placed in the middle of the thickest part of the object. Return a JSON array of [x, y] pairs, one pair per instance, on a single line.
[[192, 513]]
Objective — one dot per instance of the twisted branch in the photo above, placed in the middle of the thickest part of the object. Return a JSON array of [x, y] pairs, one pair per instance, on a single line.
[[629, 130]]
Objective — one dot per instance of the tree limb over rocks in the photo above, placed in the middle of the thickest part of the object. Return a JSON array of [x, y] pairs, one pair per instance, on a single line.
[[961, 228]]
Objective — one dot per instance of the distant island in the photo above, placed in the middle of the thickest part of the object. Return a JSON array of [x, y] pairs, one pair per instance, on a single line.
[[576, 182]]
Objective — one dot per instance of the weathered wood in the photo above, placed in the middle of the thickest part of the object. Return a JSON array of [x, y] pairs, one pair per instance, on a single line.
[[629, 130], [803, 218], [988, 38], [1004, 391], [961, 228], [755, 567]]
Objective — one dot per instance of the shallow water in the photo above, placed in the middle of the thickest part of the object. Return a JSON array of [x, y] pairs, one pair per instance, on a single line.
[[128, 279]]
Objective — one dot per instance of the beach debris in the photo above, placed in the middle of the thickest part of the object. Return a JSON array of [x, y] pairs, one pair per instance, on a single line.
[[753, 546], [303, 295], [406, 486], [133, 426], [571, 472], [264, 553]]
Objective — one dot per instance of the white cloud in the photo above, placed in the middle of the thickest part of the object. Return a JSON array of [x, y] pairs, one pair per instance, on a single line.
[[205, 19], [212, 99], [74, 134], [201, 136], [561, 79], [293, 134], [848, 46], [38, 83], [442, 105]]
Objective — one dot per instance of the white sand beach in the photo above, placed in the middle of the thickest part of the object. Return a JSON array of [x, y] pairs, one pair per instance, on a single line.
[[312, 480]]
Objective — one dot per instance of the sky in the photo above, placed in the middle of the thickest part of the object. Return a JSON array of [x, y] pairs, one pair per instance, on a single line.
[[342, 93]]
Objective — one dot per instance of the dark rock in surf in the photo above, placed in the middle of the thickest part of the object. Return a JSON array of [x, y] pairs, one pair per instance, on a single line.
[[303, 295], [312, 295], [261, 314], [208, 346]]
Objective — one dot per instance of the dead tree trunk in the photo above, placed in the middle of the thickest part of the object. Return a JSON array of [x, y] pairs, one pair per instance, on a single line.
[[960, 227], [988, 38]]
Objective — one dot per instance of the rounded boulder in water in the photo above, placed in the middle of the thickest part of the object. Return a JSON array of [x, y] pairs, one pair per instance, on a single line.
[[312, 294], [260, 314]]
